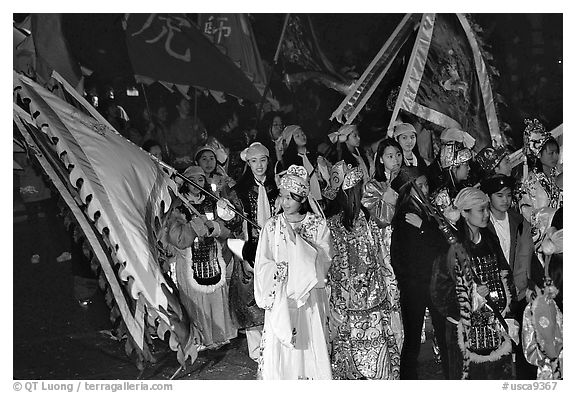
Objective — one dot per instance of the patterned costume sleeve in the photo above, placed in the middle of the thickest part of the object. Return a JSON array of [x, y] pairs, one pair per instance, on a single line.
[[380, 200], [269, 273]]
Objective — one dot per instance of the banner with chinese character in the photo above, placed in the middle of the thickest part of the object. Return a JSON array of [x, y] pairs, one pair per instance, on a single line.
[[168, 48], [233, 35], [446, 81]]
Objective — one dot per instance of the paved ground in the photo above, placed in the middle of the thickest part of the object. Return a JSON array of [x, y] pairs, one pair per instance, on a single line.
[[56, 338]]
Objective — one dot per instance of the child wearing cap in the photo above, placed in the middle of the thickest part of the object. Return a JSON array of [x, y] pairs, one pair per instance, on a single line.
[[293, 257]]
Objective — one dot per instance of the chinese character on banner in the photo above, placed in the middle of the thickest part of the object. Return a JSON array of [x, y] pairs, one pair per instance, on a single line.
[[169, 24], [217, 27]]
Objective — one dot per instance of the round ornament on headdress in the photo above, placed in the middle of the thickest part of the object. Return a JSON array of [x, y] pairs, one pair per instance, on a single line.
[[489, 157], [535, 136], [453, 154], [296, 180], [256, 149]]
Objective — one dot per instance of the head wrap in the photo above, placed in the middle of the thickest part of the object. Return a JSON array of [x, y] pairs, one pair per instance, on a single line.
[[535, 137], [453, 154], [456, 135], [405, 176], [403, 128], [496, 183], [296, 181], [193, 170], [256, 149], [469, 197], [489, 157], [201, 149], [342, 134], [342, 175]]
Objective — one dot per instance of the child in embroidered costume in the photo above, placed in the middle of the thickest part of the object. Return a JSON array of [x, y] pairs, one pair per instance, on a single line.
[[199, 271], [540, 194], [542, 333], [347, 140], [365, 321], [292, 260], [473, 288], [257, 193]]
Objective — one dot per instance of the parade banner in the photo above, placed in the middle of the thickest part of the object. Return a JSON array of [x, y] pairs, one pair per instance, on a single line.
[[168, 48], [233, 35], [300, 50], [365, 86], [446, 81]]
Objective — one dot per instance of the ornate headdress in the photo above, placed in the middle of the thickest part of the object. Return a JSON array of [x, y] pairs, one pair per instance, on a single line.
[[535, 136], [342, 175], [450, 135], [296, 181], [489, 157], [256, 149], [342, 134], [454, 154]]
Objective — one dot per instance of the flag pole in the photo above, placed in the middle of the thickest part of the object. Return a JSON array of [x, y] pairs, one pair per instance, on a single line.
[[274, 63]]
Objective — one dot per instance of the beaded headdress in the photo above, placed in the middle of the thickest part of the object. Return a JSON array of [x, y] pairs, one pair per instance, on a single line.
[[296, 180], [489, 157], [342, 175], [454, 154], [535, 136]]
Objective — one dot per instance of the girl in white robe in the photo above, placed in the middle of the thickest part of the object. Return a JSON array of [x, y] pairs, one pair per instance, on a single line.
[[292, 259]]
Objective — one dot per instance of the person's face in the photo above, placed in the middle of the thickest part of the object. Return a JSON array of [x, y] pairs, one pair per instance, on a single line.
[[207, 161], [407, 141], [299, 137], [391, 158], [198, 179], [549, 156], [461, 172], [156, 151], [501, 201], [353, 139], [289, 205], [422, 184], [504, 167], [276, 127], [162, 113], [183, 107], [477, 216], [258, 165]]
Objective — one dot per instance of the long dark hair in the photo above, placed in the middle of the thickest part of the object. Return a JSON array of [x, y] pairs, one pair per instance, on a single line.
[[380, 173], [291, 157], [346, 155], [534, 162], [350, 204], [405, 204]]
